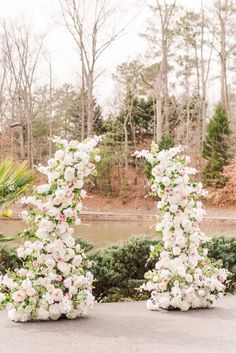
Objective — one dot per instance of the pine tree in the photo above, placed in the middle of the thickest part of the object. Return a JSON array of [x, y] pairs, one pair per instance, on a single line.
[[216, 148]]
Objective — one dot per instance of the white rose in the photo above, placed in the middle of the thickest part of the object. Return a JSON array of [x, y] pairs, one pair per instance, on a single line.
[[30, 292], [67, 282], [50, 263], [79, 184], [19, 296], [184, 306], [54, 311], [69, 174], [164, 302], [176, 251], [68, 212], [52, 162], [59, 155], [42, 313], [57, 294], [166, 181], [77, 260], [43, 188]]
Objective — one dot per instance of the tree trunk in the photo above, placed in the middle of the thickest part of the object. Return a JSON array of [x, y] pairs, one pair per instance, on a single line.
[[90, 106]]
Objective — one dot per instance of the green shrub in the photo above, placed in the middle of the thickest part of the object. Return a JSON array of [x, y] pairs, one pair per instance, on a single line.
[[166, 142], [119, 269], [8, 259], [224, 249]]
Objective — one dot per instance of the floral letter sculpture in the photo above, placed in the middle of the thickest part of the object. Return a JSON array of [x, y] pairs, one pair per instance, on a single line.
[[183, 277], [55, 280]]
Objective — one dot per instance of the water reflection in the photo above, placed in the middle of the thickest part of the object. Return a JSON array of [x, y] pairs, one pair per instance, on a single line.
[[105, 232]]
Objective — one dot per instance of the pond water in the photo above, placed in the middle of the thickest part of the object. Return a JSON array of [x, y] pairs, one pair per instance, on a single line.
[[104, 232]]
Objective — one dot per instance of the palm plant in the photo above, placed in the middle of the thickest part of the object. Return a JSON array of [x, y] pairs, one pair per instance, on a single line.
[[14, 180]]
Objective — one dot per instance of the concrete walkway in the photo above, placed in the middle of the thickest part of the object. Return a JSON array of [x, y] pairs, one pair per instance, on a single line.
[[127, 328]]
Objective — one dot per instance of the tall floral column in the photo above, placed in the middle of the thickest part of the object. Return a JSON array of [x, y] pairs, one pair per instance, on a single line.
[[183, 277], [55, 280]]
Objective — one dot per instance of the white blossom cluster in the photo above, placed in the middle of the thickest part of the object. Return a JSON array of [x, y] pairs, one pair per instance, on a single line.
[[55, 279], [184, 276]]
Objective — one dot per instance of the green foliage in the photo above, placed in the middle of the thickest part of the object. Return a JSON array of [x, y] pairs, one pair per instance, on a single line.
[[166, 142], [216, 148], [224, 249], [119, 269], [4, 238], [14, 179], [109, 179], [8, 259]]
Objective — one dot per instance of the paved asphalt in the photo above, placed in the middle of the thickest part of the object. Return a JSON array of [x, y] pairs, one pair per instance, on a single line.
[[127, 328]]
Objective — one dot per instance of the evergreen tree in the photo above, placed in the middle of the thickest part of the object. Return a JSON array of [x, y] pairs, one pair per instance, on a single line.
[[216, 148]]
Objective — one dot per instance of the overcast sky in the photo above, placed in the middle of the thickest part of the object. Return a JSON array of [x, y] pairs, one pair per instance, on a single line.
[[45, 16]]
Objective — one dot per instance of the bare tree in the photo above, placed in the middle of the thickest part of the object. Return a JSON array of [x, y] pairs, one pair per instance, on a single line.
[[160, 34], [22, 52], [92, 27], [226, 43]]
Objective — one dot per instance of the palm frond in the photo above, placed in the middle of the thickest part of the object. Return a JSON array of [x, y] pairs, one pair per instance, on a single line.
[[14, 179]]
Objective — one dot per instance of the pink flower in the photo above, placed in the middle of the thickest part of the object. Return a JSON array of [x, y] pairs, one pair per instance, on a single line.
[[91, 166], [57, 294], [22, 272], [30, 292], [19, 296], [154, 294], [68, 295], [35, 264], [62, 218], [58, 278]]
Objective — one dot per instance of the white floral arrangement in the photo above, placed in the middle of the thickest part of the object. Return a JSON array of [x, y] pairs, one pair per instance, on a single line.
[[183, 277], [55, 280]]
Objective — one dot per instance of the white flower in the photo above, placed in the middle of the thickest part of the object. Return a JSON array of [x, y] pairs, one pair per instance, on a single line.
[[164, 301], [2, 297], [37, 291], [166, 181], [31, 292], [52, 163], [24, 214], [21, 253], [19, 296], [77, 260], [50, 263], [43, 188], [184, 306], [68, 212], [176, 250], [59, 155], [57, 294], [69, 174], [42, 313], [83, 194], [54, 311], [97, 158], [79, 184]]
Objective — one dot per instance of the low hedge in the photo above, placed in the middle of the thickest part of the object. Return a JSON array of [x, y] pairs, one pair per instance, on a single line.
[[119, 269]]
